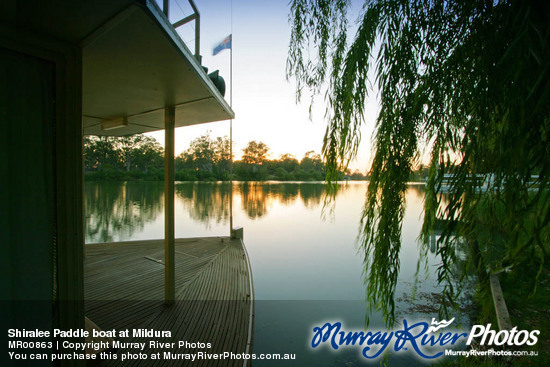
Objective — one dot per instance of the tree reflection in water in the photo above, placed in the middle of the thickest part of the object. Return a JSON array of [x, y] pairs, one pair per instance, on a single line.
[[134, 210], [206, 202], [117, 210], [258, 197]]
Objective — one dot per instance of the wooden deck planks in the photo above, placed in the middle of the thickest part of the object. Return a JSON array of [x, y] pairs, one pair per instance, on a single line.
[[124, 290]]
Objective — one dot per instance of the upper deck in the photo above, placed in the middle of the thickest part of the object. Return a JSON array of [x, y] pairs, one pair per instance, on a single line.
[[134, 63]]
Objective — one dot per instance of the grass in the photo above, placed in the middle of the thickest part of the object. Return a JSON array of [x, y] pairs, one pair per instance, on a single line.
[[527, 311], [530, 311], [528, 302]]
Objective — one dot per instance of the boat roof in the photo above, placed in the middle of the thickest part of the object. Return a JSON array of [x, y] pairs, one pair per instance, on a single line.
[[134, 63]]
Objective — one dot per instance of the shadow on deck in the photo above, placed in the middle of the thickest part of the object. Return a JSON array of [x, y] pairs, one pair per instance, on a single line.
[[124, 289]]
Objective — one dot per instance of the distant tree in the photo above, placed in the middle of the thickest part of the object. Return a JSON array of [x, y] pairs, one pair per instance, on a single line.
[[255, 153], [148, 154], [251, 166], [222, 156], [109, 156], [357, 175], [183, 160], [467, 80], [206, 158], [90, 159], [138, 150], [201, 152], [288, 162], [100, 151], [127, 145], [311, 161]]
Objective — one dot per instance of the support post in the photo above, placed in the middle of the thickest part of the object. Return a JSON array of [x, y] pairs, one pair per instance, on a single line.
[[503, 317], [197, 31], [169, 222], [166, 7], [231, 234]]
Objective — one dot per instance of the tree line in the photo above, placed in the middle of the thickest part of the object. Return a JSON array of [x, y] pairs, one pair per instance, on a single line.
[[207, 159], [127, 157]]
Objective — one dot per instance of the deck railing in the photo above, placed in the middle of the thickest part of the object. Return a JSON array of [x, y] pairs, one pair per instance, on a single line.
[[195, 16], [484, 182]]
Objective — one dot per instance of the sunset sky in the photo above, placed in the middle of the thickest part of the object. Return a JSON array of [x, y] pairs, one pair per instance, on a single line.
[[263, 100]]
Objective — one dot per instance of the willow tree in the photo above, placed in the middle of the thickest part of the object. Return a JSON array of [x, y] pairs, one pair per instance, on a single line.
[[465, 83]]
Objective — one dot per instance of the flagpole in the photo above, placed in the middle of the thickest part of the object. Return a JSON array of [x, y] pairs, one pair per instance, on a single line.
[[231, 128]]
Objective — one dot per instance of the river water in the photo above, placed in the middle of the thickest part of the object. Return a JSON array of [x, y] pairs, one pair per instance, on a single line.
[[306, 263]]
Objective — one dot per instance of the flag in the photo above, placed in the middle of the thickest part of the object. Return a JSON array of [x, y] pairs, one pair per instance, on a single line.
[[226, 43]]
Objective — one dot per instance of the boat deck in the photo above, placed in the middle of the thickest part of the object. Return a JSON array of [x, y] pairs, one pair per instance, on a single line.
[[124, 289]]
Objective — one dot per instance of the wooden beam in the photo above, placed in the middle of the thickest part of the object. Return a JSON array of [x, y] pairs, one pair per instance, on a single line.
[[70, 187], [69, 222], [187, 19], [169, 232], [166, 7], [501, 310]]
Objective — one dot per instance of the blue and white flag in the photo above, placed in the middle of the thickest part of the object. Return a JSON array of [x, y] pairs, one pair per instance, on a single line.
[[226, 43]]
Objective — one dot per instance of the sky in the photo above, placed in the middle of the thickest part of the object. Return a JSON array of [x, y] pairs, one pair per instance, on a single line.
[[263, 100]]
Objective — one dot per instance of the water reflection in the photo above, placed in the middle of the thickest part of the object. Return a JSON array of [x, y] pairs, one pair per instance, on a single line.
[[117, 211], [205, 202], [114, 210], [254, 200], [134, 210], [258, 197], [306, 270]]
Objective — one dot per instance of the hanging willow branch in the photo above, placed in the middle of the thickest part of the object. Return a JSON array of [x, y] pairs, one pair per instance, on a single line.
[[468, 81]]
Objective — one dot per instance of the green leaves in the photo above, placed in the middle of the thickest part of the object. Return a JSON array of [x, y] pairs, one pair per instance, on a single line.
[[128, 152], [465, 81]]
